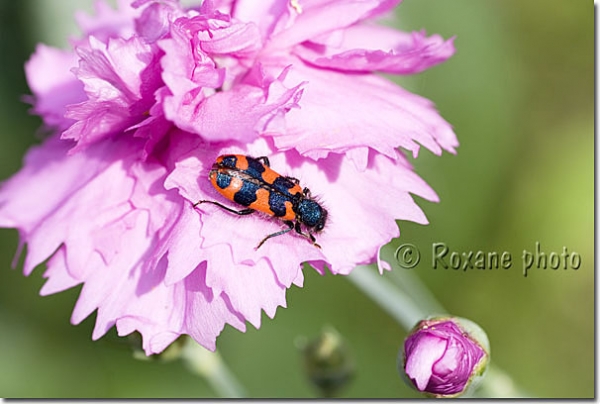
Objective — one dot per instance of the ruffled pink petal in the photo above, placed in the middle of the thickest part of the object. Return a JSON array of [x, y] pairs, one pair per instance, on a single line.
[[340, 112], [189, 76], [86, 224], [419, 365], [113, 285], [250, 288], [206, 314], [350, 239], [365, 48], [57, 275], [155, 21], [318, 17], [147, 306], [53, 84], [130, 294], [230, 38], [104, 240], [45, 184], [270, 16], [174, 229], [153, 129], [240, 113], [149, 195], [139, 301], [224, 6], [72, 213], [120, 79], [181, 246], [299, 279]]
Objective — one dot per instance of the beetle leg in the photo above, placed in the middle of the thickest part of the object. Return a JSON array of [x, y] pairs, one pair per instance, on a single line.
[[279, 233], [307, 235], [237, 212], [265, 160], [293, 179]]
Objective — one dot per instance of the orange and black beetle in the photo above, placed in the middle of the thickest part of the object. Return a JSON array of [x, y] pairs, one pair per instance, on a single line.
[[251, 182]]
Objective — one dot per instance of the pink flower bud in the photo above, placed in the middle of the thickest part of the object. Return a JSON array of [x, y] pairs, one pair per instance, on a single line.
[[442, 356]]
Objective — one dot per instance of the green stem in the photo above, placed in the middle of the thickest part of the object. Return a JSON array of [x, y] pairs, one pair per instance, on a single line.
[[398, 305], [210, 366], [411, 284], [416, 303]]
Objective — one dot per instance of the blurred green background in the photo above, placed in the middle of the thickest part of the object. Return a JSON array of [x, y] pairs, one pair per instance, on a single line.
[[519, 93]]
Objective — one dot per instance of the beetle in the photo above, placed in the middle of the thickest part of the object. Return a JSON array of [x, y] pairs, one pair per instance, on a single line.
[[251, 182]]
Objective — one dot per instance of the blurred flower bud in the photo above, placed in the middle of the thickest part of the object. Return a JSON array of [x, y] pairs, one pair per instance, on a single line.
[[445, 356], [171, 353], [327, 362]]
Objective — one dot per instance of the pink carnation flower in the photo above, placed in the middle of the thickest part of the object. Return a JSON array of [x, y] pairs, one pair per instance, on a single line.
[[147, 99]]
